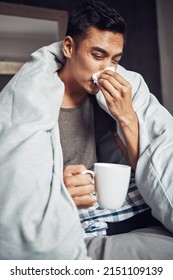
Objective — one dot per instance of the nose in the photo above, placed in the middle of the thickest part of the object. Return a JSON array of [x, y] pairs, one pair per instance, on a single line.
[[105, 64]]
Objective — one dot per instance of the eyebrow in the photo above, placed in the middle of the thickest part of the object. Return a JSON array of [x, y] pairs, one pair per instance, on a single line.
[[105, 52]]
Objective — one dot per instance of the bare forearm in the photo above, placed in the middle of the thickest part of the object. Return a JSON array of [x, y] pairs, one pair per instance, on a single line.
[[130, 129]]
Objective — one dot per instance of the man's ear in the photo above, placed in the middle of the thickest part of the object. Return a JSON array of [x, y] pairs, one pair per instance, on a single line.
[[68, 46]]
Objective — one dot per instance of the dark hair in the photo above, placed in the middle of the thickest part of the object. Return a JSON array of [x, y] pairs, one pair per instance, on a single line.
[[94, 14]]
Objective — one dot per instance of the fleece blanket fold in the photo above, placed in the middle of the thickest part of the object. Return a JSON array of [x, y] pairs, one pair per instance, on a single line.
[[38, 219], [154, 172]]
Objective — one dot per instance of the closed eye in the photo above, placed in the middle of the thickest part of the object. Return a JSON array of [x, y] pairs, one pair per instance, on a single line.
[[98, 56], [115, 61]]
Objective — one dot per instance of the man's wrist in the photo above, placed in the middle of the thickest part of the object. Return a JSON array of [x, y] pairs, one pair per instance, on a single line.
[[128, 121]]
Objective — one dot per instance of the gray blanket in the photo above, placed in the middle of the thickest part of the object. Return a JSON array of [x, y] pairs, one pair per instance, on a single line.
[[38, 219], [152, 243]]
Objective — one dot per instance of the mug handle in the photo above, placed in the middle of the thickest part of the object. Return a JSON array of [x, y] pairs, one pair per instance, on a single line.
[[89, 172]]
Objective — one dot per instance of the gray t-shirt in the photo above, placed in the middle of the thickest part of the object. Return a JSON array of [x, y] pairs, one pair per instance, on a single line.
[[77, 134]]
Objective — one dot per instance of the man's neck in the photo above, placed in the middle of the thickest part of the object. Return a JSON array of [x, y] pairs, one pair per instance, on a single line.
[[73, 96], [71, 101]]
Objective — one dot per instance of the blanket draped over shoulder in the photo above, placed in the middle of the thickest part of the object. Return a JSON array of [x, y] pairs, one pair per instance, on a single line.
[[38, 219], [154, 171]]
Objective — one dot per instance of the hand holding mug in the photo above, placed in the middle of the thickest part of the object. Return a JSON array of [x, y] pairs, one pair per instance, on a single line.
[[79, 186]]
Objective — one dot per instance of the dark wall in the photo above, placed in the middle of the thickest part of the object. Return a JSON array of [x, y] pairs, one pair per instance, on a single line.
[[141, 53]]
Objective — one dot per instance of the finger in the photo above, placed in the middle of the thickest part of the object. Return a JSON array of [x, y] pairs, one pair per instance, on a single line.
[[116, 76], [105, 79], [115, 91], [110, 84], [117, 81], [81, 190], [74, 169], [84, 201], [109, 91], [77, 180]]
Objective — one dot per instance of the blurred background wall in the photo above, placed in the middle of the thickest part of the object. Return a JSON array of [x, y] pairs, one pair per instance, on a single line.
[[149, 40], [165, 38]]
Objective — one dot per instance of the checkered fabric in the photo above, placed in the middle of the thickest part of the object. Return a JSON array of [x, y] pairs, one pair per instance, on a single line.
[[93, 219]]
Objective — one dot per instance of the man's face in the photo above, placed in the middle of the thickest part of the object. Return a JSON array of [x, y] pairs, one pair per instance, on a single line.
[[99, 50]]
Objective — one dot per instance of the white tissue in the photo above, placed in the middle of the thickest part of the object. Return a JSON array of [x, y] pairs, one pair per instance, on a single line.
[[95, 76]]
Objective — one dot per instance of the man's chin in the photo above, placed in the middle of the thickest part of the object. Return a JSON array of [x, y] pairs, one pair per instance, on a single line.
[[94, 89]]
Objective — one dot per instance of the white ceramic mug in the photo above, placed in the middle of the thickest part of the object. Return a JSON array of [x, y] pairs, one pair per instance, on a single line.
[[111, 183]]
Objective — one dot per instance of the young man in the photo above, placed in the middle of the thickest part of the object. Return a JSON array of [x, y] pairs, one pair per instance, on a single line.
[[94, 41], [52, 106]]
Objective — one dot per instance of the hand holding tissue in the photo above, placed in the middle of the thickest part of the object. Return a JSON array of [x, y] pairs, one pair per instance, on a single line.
[[96, 76]]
